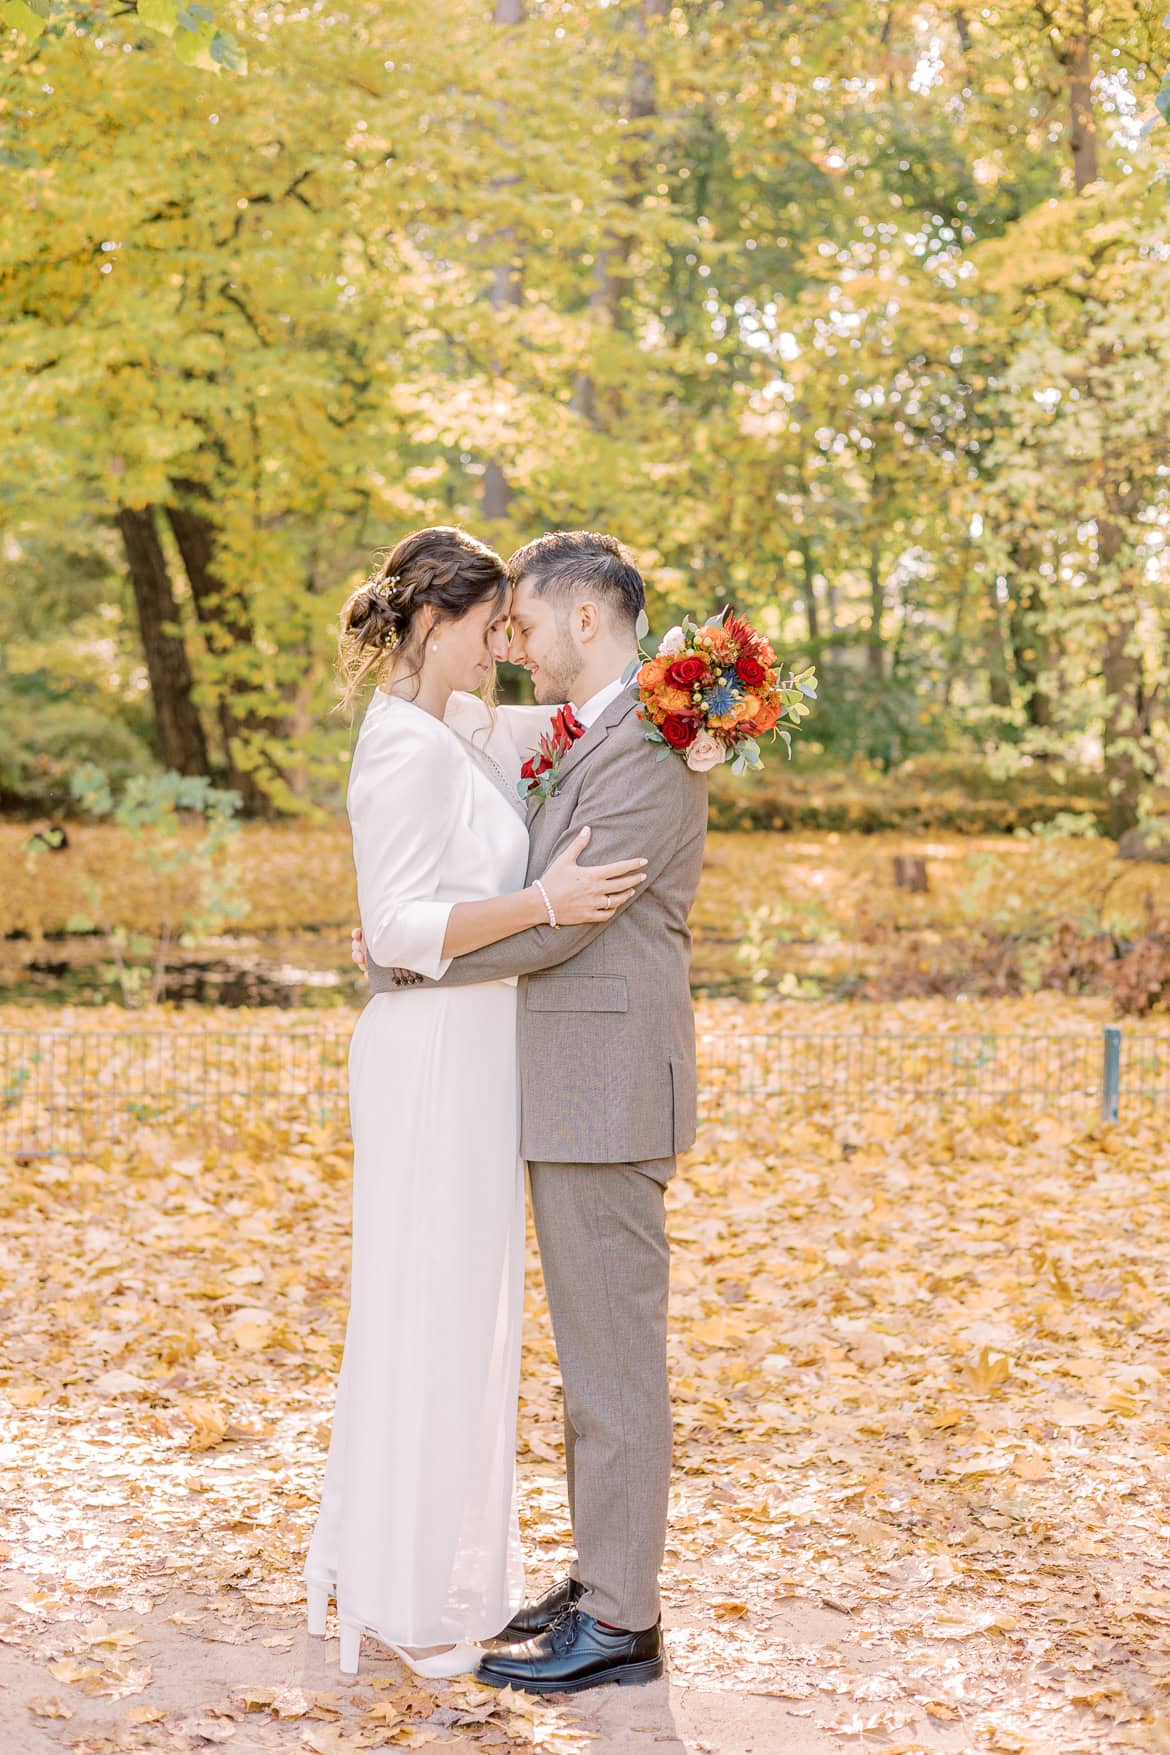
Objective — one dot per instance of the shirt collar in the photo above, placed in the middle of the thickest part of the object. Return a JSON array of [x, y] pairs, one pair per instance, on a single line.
[[596, 704]]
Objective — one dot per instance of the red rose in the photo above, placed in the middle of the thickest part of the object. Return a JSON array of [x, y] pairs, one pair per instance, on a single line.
[[566, 728], [684, 673], [679, 733], [749, 670], [528, 771]]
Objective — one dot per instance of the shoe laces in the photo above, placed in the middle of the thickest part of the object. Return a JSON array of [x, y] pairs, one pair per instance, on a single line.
[[563, 1629]]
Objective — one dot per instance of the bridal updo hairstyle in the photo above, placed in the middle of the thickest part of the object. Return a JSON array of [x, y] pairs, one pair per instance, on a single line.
[[380, 621]]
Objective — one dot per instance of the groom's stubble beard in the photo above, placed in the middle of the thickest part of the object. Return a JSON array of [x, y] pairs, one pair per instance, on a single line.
[[560, 670]]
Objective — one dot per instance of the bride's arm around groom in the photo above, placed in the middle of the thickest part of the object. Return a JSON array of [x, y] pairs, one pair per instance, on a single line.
[[606, 1024]]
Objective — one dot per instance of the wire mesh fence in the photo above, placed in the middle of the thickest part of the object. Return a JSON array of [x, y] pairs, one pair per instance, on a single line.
[[73, 1092]]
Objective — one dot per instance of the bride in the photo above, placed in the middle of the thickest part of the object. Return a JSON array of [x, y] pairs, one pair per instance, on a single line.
[[417, 1533]]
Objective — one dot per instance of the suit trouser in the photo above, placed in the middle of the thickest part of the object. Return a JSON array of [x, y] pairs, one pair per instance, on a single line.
[[606, 1260]]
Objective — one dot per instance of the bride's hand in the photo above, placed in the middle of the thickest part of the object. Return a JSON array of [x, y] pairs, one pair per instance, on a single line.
[[582, 894], [357, 948]]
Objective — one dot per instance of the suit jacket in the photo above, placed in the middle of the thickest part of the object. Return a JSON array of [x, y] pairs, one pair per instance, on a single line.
[[606, 1025]]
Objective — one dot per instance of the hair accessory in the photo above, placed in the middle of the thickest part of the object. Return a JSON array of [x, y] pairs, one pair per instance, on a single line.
[[385, 588], [552, 913]]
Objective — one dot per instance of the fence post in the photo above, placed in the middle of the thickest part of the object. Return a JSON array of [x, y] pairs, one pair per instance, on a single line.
[[1111, 1076]]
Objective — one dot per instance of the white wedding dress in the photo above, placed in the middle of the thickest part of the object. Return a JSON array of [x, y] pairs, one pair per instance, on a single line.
[[417, 1531]]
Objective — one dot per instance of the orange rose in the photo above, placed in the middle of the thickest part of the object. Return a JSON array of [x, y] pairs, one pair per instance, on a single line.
[[767, 715]]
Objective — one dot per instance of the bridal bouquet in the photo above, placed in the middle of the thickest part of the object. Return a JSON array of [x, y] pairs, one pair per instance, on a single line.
[[713, 692]]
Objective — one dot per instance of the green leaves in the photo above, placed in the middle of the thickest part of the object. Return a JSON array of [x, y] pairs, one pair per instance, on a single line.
[[160, 15], [226, 52], [198, 40], [747, 758], [29, 17]]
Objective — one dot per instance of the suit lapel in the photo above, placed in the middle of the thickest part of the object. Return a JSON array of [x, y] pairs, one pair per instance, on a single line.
[[593, 739]]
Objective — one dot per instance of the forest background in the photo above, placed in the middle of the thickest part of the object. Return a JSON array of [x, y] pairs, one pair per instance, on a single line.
[[856, 316]]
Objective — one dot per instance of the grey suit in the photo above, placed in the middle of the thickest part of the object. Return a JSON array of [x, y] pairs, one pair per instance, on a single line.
[[607, 1069]]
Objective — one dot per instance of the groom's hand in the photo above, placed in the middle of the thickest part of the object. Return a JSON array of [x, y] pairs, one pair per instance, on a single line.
[[357, 948]]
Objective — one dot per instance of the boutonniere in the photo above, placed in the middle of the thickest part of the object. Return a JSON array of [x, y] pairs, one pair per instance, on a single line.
[[540, 774]]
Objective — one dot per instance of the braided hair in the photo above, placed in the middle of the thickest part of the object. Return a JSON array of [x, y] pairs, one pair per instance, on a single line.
[[380, 626]]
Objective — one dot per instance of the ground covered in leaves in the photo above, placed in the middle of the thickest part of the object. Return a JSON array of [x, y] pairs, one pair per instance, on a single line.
[[919, 1383]]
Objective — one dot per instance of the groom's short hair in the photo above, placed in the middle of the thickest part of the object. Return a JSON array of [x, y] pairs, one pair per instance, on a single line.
[[566, 563]]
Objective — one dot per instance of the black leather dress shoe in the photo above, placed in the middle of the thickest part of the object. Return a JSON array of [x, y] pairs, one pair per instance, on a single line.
[[575, 1652], [534, 1617]]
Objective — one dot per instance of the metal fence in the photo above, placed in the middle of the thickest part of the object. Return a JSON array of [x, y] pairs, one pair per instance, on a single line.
[[74, 1092]]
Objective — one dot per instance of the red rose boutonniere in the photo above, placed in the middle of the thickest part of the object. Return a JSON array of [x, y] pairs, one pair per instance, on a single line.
[[540, 773]]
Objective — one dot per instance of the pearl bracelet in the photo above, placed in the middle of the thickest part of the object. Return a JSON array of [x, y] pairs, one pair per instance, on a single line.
[[551, 911]]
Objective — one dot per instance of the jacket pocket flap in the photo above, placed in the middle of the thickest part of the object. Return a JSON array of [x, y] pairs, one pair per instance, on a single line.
[[578, 993]]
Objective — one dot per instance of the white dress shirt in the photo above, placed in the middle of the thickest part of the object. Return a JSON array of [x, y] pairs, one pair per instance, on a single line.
[[596, 704]]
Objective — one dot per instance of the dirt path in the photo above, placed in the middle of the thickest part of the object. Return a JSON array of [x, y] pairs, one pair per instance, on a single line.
[[269, 1687]]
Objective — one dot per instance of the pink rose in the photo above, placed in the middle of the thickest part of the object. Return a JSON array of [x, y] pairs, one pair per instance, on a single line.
[[706, 752]]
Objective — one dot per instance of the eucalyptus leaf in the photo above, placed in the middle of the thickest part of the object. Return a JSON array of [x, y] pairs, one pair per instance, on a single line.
[[631, 671], [226, 52], [642, 625]]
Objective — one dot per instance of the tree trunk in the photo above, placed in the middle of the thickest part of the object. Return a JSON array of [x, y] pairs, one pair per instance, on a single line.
[[497, 492], [230, 635], [1030, 652], [874, 655], [1078, 61], [1127, 711], [1125, 724], [808, 587], [506, 290], [180, 733], [605, 303], [999, 687]]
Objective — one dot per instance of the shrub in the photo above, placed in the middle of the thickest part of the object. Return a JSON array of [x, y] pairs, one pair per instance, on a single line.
[[939, 795], [44, 736]]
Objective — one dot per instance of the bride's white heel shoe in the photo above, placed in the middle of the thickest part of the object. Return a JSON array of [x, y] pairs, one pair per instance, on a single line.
[[351, 1646], [441, 1667], [459, 1661], [319, 1595]]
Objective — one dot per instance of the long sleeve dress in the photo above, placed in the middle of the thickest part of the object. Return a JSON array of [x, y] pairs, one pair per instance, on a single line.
[[417, 1529]]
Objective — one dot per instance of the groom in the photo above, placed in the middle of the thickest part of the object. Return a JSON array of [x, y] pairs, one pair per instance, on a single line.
[[607, 1068]]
